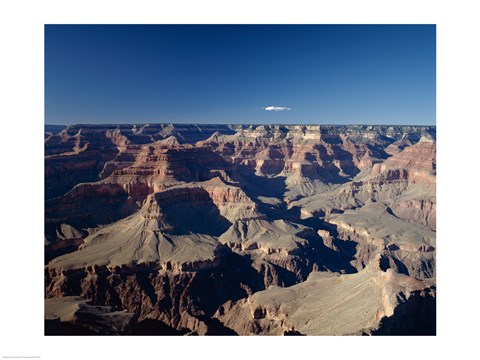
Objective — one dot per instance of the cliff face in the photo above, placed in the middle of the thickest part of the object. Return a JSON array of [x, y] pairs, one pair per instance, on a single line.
[[181, 226], [325, 304]]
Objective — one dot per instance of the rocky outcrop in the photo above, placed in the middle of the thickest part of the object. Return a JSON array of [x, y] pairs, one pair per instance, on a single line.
[[182, 298], [416, 163], [422, 211], [405, 182], [72, 315], [407, 248], [63, 172], [248, 229], [325, 304]]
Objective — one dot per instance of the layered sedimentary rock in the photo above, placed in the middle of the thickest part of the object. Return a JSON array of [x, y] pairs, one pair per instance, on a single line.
[[73, 315], [408, 249], [324, 304], [190, 227]]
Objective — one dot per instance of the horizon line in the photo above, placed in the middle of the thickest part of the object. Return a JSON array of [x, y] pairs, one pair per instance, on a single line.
[[256, 124]]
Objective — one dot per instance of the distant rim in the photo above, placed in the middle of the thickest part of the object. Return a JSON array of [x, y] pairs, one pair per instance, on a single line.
[[233, 124]]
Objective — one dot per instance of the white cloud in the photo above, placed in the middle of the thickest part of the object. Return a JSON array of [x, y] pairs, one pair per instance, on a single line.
[[276, 108]]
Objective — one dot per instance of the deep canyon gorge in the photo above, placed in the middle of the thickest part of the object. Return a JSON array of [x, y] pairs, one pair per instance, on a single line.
[[175, 229]]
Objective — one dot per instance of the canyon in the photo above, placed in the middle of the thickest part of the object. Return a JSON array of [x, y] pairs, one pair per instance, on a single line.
[[182, 229]]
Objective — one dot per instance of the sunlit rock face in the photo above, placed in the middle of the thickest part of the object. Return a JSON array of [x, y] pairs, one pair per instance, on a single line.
[[240, 229]]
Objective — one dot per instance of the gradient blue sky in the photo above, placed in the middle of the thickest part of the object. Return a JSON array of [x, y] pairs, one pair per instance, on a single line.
[[327, 74]]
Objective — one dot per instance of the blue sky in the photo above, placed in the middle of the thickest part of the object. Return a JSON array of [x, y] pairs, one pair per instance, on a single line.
[[321, 74]]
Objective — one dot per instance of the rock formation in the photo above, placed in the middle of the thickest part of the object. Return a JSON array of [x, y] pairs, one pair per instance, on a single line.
[[240, 229]]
